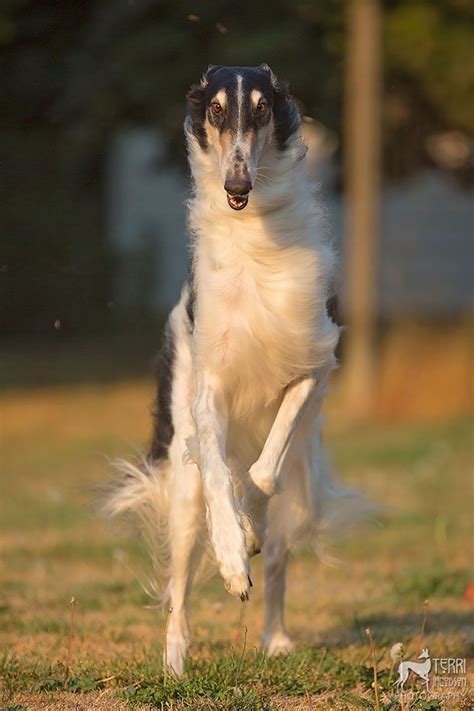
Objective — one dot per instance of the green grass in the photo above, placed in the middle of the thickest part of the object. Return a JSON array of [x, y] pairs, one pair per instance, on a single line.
[[239, 681], [53, 547]]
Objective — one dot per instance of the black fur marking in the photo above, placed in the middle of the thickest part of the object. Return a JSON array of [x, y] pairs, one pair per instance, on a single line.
[[286, 114], [191, 302], [163, 429], [252, 78], [197, 114], [332, 308], [280, 103]]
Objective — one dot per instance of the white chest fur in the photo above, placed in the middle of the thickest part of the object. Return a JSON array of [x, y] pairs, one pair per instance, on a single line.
[[261, 319]]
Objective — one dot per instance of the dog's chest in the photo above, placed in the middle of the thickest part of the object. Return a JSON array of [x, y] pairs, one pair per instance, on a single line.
[[249, 311], [256, 323]]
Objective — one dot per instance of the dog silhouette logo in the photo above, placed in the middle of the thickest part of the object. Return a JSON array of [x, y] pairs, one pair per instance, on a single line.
[[421, 669]]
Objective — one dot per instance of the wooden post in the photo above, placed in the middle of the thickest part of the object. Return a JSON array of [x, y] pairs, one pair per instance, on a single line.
[[362, 183]]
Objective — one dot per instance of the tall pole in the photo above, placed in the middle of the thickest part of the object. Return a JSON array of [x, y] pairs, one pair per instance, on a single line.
[[363, 76]]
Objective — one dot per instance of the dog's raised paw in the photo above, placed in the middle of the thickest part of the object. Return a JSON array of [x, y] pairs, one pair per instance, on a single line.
[[238, 584]]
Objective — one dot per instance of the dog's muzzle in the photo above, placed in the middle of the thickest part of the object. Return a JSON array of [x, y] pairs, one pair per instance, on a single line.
[[237, 193], [237, 202]]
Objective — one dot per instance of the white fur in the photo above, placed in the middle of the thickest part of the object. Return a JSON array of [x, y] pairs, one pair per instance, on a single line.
[[248, 386]]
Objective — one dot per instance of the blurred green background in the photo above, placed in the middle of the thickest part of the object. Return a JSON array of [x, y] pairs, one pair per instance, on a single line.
[[92, 95]]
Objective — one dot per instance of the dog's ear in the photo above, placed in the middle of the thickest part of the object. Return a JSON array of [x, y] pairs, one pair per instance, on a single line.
[[286, 114], [207, 74], [265, 68], [196, 114]]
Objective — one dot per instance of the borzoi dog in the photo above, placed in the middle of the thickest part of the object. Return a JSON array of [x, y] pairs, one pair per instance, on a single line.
[[235, 458]]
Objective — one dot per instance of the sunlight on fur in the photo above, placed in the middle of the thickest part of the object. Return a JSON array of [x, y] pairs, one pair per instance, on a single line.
[[236, 463]]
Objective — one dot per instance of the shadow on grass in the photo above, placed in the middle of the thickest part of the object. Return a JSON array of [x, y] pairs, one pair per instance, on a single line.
[[388, 628]]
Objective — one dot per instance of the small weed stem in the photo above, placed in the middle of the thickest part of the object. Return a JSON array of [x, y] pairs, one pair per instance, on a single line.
[[72, 605], [368, 632], [426, 605]]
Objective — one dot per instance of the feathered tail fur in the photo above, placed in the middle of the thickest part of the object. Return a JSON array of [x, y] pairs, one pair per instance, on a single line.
[[140, 494]]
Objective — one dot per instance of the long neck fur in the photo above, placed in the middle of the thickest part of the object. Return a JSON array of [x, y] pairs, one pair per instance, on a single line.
[[282, 197]]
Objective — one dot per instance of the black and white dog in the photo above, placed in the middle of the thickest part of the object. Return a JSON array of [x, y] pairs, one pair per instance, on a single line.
[[235, 457]]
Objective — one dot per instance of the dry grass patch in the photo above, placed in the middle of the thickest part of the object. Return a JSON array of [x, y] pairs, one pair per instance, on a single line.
[[53, 456]]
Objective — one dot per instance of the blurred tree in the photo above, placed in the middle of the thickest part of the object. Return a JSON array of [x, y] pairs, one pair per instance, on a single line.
[[362, 175], [429, 77]]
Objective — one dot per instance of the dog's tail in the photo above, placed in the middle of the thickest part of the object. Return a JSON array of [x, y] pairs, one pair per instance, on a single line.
[[337, 509], [315, 508], [140, 494]]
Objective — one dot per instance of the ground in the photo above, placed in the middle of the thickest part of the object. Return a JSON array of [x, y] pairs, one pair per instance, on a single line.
[[55, 447]]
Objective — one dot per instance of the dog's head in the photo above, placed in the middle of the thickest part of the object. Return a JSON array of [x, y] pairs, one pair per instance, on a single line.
[[234, 113]]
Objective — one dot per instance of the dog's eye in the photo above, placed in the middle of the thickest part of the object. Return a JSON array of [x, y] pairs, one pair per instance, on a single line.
[[262, 107], [216, 108]]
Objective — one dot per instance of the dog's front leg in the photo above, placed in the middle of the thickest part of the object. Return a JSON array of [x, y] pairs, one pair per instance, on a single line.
[[224, 521], [302, 400]]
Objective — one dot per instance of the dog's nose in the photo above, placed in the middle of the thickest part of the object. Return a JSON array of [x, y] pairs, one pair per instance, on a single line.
[[238, 186]]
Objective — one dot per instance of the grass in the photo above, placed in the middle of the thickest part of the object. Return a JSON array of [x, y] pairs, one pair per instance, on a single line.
[[55, 446]]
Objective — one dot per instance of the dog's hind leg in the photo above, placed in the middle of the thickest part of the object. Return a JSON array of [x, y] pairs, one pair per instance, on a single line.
[[186, 514], [186, 507], [275, 637]]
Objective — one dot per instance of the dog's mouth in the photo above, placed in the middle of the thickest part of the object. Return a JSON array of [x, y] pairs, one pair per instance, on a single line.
[[237, 202]]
